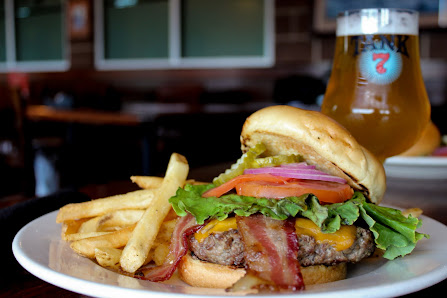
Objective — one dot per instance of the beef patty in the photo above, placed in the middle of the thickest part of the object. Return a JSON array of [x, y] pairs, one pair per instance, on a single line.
[[227, 248]]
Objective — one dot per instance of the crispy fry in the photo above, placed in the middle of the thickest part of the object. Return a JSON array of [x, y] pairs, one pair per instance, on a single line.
[[147, 182], [90, 225], [163, 239], [171, 215], [71, 227], [79, 236], [137, 248], [86, 247], [112, 221], [119, 219], [415, 212], [153, 182], [165, 232], [139, 199], [160, 253], [108, 257]]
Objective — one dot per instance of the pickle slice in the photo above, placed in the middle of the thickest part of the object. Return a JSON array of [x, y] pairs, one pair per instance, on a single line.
[[276, 160], [250, 160], [244, 162]]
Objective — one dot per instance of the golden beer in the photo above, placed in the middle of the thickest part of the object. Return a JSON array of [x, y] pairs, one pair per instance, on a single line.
[[376, 88]]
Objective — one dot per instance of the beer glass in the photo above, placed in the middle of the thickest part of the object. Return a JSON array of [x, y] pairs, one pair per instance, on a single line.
[[376, 88]]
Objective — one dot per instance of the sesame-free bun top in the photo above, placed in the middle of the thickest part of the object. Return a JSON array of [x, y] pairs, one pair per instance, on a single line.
[[321, 141]]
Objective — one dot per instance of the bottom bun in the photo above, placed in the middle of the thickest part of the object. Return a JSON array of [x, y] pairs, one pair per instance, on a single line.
[[202, 274], [320, 274]]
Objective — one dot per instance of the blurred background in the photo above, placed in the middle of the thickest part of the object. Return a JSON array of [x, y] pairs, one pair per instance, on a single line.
[[97, 91]]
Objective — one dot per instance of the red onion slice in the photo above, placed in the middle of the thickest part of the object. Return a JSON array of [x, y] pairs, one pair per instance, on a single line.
[[285, 171], [320, 177], [297, 171]]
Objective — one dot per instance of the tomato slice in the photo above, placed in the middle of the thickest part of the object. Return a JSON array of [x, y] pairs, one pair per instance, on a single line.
[[226, 187], [329, 192]]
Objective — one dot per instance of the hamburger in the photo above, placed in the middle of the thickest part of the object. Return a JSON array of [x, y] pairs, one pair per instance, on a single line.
[[300, 203]]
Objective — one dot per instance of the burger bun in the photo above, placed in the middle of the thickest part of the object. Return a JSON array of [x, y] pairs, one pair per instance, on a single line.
[[198, 273], [321, 141]]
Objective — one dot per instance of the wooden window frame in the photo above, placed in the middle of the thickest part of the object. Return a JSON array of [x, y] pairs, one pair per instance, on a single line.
[[175, 59], [11, 63]]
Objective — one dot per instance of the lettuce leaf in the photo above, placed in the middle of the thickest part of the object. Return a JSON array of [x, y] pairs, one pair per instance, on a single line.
[[392, 231], [190, 200]]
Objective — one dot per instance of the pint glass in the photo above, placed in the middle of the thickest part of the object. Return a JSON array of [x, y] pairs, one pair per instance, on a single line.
[[376, 88]]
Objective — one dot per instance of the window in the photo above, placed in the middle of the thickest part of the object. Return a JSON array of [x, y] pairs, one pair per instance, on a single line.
[[129, 26], [144, 34], [33, 36], [2, 37]]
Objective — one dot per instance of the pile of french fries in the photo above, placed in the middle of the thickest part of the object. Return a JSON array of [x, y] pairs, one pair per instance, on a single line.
[[127, 231]]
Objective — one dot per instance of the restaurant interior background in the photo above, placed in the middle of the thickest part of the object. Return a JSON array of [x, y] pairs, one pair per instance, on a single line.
[[135, 100]]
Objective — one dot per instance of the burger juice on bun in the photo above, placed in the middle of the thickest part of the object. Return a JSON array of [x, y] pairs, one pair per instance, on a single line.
[[299, 204]]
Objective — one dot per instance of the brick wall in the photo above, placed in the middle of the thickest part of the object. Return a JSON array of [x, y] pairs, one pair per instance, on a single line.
[[299, 49], [298, 43]]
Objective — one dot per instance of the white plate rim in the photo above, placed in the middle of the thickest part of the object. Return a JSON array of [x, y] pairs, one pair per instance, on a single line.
[[87, 287], [432, 161], [419, 167]]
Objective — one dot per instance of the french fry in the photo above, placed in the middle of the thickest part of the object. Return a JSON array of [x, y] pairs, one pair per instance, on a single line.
[[160, 253], [108, 257], [153, 182], [163, 238], [171, 215], [79, 236], [147, 182], [90, 225], [86, 247], [165, 232], [139, 199], [112, 221], [137, 248], [119, 219], [415, 212], [71, 227]]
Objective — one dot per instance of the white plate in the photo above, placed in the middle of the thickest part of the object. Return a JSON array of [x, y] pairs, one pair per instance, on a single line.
[[39, 249], [424, 167]]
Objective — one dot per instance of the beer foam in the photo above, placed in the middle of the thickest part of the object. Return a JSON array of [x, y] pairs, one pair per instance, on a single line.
[[378, 21]]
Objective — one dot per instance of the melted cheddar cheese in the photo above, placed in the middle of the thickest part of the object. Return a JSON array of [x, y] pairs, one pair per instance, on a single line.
[[340, 240], [216, 226]]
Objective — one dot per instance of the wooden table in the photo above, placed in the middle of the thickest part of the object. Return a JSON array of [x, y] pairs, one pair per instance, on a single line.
[[431, 196], [149, 120], [83, 116], [93, 117]]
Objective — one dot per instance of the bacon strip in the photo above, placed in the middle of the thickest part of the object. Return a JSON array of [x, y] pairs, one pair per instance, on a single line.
[[185, 227], [271, 248]]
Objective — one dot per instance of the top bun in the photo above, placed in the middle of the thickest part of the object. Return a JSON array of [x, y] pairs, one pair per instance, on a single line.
[[321, 141], [427, 143]]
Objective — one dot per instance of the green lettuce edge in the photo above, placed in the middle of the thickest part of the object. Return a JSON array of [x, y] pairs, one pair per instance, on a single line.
[[393, 232]]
